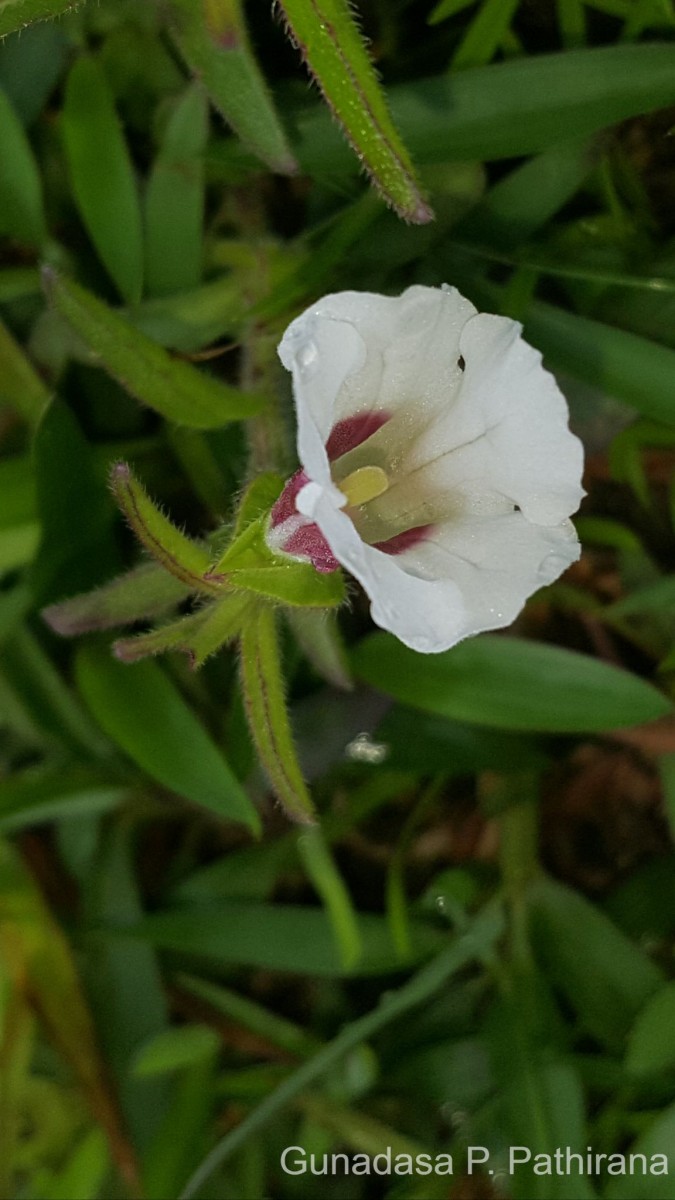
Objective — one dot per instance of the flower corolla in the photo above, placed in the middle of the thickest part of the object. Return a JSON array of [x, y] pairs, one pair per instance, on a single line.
[[437, 463]]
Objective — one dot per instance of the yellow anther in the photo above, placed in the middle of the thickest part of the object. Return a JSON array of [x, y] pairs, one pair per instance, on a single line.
[[363, 485]]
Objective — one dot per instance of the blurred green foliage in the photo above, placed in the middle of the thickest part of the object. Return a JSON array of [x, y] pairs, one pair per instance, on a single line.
[[474, 946]]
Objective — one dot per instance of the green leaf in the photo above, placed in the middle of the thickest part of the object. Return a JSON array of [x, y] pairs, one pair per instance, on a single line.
[[182, 557], [658, 597], [323, 871], [31, 63], [249, 563], [47, 697], [147, 591], [174, 200], [17, 282], [173, 747], [250, 873], [188, 321], [604, 531], [484, 34], [267, 713], [35, 795], [17, 487], [173, 636], [651, 1043], [124, 979], [38, 959], [536, 1089], [174, 1049], [478, 940], [447, 8], [185, 1128], [423, 742], [18, 545], [291, 583], [175, 389], [510, 684], [21, 206], [622, 364], [513, 108], [523, 201], [331, 45], [102, 175], [198, 635], [317, 634], [75, 509], [604, 976], [277, 937], [657, 1139], [20, 385], [83, 1173], [213, 40], [15, 14], [257, 501], [269, 1025]]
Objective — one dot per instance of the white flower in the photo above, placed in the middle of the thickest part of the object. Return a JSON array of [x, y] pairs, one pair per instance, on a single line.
[[437, 464]]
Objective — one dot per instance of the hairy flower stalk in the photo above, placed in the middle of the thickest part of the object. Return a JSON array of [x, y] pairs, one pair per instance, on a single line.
[[437, 463]]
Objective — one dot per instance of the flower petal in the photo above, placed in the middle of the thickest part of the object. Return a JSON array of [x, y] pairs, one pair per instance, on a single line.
[[355, 352], [465, 577], [427, 614], [472, 434], [507, 432], [496, 561]]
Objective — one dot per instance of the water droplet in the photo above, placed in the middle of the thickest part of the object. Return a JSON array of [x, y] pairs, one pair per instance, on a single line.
[[550, 567], [308, 355], [363, 749]]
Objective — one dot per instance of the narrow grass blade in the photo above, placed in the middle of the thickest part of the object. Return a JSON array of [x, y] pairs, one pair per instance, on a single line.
[[275, 1029], [332, 47], [480, 936], [511, 108]]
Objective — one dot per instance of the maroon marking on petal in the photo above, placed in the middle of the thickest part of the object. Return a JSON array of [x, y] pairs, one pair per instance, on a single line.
[[309, 542], [404, 541], [348, 434], [284, 507]]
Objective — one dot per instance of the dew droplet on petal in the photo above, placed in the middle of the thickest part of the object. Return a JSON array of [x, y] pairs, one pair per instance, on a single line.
[[308, 355]]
